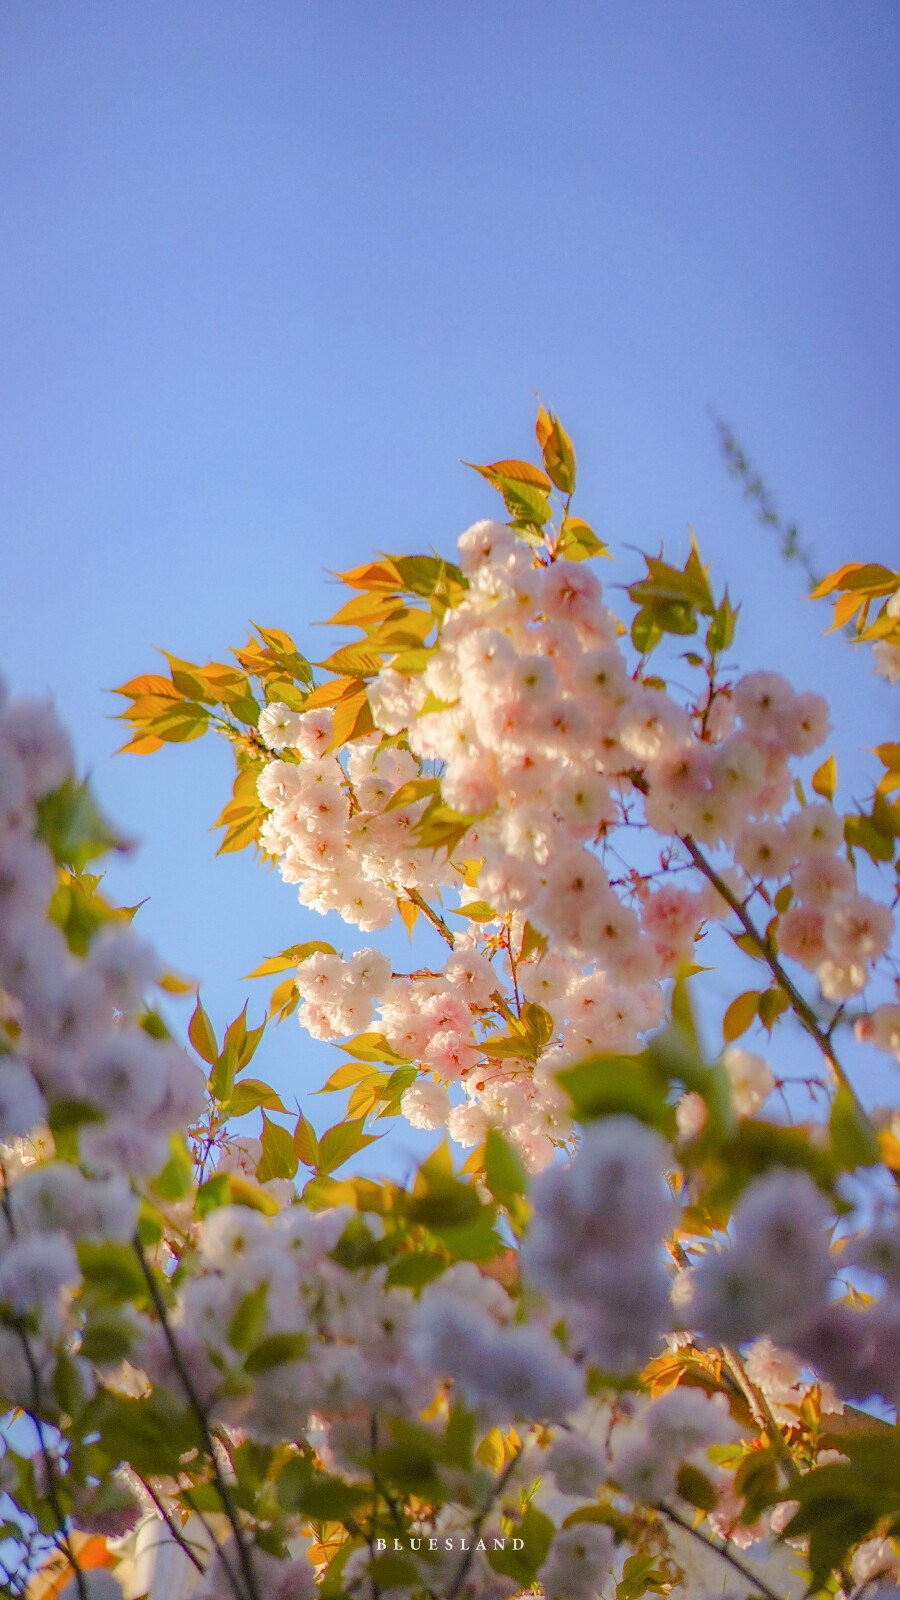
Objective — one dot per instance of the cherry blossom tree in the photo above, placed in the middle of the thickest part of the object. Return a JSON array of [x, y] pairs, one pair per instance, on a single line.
[[633, 1327]]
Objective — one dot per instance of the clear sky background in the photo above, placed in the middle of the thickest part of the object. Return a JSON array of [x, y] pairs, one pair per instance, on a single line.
[[268, 271]]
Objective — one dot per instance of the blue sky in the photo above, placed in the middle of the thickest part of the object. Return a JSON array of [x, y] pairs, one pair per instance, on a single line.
[[269, 271]]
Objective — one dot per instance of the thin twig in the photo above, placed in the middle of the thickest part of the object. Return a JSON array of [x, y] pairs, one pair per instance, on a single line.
[[756, 490], [433, 917], [170, 1523], [479, 1522], [762, 1413], [801, 1008], [46, 1456], [722, 1550], [199, 1409]]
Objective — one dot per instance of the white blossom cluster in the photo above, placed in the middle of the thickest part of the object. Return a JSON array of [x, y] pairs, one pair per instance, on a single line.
[[546, 740], [773, 1281], [68, 1039]]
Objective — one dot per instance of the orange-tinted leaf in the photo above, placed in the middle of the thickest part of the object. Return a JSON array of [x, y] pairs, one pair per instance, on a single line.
[[360, 658], [152, 683], [328, 694], [172, 984], [740, 1015], [142, 744], [352, 720], [845, 607], [835, 580], [516, 472], [543, 427], [286, 959], [367, 609], [239, 835], [285, 999], [374, 575], [862, 577], [824, 779]]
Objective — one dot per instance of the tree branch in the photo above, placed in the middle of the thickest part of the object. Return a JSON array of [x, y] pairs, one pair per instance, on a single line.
[[801, 1008], [169, 1521], [722, 1550], [199, 1409], [479, 1522]]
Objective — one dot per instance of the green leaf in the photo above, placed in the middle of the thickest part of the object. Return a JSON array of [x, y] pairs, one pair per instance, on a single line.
[[428, 575], [442, 828], [373, 1047], [152, 1433], [279, 1158], [73, 828], [606, 1086], [695, 1487], [68, 1387], [327, 1499], [249, 1318], [641, 1576], [237, 1050], [578, 542], [446, 1207], [293, 1479], [559, 456], [853, 1138], [106, 1337], [216, 1191], [409, 793], [840, 1505], [720, 633], [339, 1143], [504, 1172], [645, 631], [861, 833], [508, 1047], [249, 1095], [536, 1531], [68, 1114], [472, 1241], [111, 1272], [181, 723], [475, 910], [349, 1074], [176, 1180], [415, 1269], [772, 1005]]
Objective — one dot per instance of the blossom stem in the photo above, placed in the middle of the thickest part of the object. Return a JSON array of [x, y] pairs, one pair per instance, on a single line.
[[199, 1409], [433, 917], [479, 1522], [762, 1413], [801, 1008], [34, 1414], [722, 1550]]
